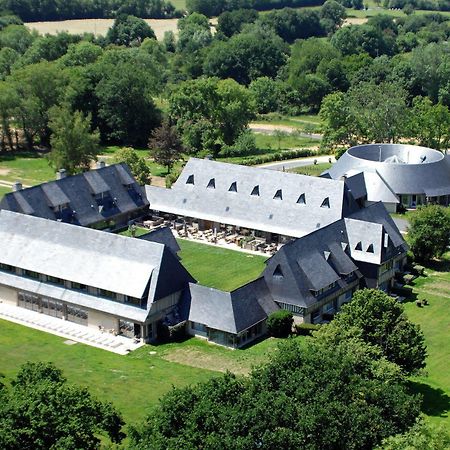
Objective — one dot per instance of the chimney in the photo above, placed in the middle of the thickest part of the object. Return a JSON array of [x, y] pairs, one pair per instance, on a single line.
[[17, 186], [61, 174], [101, 164]]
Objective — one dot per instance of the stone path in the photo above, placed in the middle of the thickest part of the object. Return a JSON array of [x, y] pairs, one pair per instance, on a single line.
[[68, 330]]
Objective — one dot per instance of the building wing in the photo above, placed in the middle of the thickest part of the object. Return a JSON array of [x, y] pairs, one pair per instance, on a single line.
[[268, 200]]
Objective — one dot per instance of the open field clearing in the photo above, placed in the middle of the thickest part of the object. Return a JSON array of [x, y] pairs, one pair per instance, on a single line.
[[99, 27]]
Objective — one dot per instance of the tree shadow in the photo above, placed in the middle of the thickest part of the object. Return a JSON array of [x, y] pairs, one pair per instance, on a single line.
[[435, 402], [440, 265]]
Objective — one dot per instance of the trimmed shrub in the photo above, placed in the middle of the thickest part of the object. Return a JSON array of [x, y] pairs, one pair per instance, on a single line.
[[279, 323], [306, 329]]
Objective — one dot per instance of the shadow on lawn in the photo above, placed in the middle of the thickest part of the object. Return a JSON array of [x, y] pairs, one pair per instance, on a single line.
[[440, 265], [12, 156], [435, 402]]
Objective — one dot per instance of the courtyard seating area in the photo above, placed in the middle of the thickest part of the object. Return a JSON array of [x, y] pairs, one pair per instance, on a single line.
[[71, 331], [227, 236]]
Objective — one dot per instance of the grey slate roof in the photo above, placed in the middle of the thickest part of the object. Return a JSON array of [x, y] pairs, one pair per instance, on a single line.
[[406, 169], [325, 256], [231, 312], [278, 206], [162, 235], [90, 257], [119, 193]]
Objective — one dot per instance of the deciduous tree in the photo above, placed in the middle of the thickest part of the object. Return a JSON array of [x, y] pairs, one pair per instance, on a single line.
[[74, 147], [429, 232], [136, 163], [379, 320], [165, 145], [41, 411]]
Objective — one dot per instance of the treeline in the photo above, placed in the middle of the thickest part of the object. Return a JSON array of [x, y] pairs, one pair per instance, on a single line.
[[212, 8], [430, 5], [39, 10], [210, 86]]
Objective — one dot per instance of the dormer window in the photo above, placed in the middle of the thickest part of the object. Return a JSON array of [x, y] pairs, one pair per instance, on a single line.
[[278, 273], [326, 255], [325, 203], [370, 249], [190, 179], [386, 240], [358, 246], [278, 195], [211, 183], [233, 187], [255, 191], [301, 200]]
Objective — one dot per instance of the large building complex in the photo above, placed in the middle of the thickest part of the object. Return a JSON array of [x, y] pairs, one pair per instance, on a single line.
[[328, 246], [395, 174]]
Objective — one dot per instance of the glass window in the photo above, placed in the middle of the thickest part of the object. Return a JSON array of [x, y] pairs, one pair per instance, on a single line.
[[77, 315]]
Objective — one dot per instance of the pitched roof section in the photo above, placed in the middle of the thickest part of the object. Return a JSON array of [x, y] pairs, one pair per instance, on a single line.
[[328, 255], [163, 236], [266, 200], [77, 194], [82, 255], [231, 312]]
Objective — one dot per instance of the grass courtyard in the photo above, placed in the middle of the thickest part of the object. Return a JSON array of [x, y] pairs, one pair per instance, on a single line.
[[220, 268]]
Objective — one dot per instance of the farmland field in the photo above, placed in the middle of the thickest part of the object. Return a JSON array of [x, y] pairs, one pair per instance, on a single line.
[[99, 27]]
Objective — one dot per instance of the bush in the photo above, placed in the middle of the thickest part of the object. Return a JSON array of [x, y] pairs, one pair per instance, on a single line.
[[244, 145], [279, 323], [306, 329]]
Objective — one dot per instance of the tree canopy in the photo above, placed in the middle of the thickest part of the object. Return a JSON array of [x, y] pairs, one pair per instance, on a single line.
[[313, 396], [41, 410], [73, 144], [429, 232], [379, 320]]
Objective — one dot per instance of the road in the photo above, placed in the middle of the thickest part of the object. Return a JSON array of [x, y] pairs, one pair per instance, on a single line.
[[301, 162]]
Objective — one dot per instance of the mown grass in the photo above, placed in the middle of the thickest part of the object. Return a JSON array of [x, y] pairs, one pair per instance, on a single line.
[[269, 143], [4, 190], [313, 170], [133, 383], [218, 267], [434, 321], [28, 167]]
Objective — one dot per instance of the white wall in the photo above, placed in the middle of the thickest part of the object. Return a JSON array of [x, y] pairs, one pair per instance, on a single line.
[[8, 295], [97, 318]]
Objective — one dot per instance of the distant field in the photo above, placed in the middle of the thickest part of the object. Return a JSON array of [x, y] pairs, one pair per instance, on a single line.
[[314, 170], [99, 27]]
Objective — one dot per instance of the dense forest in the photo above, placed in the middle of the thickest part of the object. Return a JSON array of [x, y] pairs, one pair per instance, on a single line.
[[386, 80]]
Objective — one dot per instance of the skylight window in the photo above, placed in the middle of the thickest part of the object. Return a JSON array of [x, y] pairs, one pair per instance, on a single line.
[[325, 203], [233, 187], [358, 246], [212, 183], [255, 191], [326, 255], [301, 200], [370, 248], [190, 179], [278, 195]]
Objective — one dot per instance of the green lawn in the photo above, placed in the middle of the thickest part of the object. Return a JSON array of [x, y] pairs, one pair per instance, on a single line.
[[133, 383], [218, 267], [179, 4], [27, 167], [4, 190], [139, 232], [270, 144], [313, 170], [435, 323], [375, 10]]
